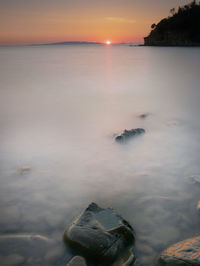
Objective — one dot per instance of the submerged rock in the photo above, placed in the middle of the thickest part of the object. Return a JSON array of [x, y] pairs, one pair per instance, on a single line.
[[30, 249], [100, 234], [24, 169], [128, 134], [198, 206], [143, 116], [195, 179], [183, 253], [77, 261], [11, 260]]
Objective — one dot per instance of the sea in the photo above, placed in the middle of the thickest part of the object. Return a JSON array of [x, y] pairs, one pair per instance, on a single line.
[[61, 107]]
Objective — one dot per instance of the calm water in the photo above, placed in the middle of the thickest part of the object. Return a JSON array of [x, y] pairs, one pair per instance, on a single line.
[[59, 109]]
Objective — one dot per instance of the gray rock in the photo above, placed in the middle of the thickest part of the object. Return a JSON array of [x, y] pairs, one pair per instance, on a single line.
[[77, 261], [183, 253], [128, 134], [100, 234]]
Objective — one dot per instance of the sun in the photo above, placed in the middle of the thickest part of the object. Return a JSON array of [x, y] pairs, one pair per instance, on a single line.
[[108, 42]]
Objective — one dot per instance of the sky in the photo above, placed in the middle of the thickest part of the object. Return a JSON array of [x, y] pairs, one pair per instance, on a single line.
[[44, 21]]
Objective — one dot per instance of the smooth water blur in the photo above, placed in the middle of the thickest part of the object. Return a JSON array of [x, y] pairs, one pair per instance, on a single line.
[[59, 109]]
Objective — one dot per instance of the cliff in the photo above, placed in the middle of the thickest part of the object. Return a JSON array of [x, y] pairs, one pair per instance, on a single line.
[[180, 29]]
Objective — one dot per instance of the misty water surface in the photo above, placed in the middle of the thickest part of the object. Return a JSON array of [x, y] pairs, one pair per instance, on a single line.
[[60, 107]]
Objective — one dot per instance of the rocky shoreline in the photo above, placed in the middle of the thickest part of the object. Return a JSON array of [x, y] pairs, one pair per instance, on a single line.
[[104, 237], [97, 237]]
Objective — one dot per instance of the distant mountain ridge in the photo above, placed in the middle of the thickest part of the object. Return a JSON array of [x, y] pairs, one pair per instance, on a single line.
[[181, 29], [75, 43], [87, 43], [71, 43]]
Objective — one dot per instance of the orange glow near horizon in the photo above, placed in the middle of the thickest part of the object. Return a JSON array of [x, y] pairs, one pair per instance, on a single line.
[[34, 21], [108, 42]]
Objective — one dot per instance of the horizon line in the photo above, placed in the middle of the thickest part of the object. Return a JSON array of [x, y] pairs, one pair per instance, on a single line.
[[71, 42]]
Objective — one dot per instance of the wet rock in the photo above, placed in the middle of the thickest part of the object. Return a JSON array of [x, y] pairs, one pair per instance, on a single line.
[[77, 261], [100, 234], [127, 259], [130, 260], [183, 253], [128, 134]]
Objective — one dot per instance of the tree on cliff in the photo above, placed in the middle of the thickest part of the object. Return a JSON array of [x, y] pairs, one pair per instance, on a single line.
[[173, 11], [182, 28], [153, 26]]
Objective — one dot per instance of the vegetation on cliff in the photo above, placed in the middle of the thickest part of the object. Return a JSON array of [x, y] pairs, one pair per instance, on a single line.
[[181, 28]]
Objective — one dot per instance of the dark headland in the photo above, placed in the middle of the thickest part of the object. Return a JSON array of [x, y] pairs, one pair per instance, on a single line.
[[182, 28]]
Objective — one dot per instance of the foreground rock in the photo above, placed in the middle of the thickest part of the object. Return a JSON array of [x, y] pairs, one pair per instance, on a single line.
[[128, 134], [100, 234], [184, 253]]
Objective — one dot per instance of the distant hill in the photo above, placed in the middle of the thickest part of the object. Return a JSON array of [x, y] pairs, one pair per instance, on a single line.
[[71, 43], [182, 28]]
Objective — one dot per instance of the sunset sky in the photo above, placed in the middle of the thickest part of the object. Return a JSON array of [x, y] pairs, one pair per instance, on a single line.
[[43, 21]]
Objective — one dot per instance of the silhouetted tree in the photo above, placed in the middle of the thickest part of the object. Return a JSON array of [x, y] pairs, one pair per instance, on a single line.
[[153, 26], [186, 7], [193, 3], [180, 10], [172, 11]]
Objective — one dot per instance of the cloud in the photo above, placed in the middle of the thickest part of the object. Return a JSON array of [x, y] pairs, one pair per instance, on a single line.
[[120, 20]]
